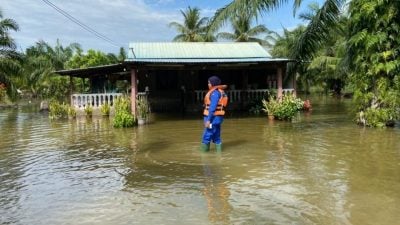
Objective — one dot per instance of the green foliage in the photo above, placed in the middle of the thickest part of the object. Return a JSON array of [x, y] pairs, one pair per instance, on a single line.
[[373, 51], [3, 92], [287, 108], [91, 58], [122, 104], [56, 87], [123, 116], [286, 42], [283, 110], [9, 57], [243, 32], [379, 117], [88, 110], [71, 112], [123, 119], [38, 63], [270, 106], [143, 108], [194, 28], [58, 110], [105, 109]]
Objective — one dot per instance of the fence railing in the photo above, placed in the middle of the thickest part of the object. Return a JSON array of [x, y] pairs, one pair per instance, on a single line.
[[241, 95], [93, 100]]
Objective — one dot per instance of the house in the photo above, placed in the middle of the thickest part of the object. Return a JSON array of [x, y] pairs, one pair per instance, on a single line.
[[173, 76]]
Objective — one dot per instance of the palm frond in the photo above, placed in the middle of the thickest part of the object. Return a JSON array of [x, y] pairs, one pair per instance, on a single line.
[[318, 30], [179, 38], [226, 36], [257, 30]]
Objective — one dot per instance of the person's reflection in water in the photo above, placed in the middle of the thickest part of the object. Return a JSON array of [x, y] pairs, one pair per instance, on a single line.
[[215, 191]]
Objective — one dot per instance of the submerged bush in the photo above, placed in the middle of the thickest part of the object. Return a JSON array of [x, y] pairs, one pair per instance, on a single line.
[[377, 117], [284, 110], [71, 112], [105, 109], [123, 119], [88, 110], [123, 116], [58, 110]]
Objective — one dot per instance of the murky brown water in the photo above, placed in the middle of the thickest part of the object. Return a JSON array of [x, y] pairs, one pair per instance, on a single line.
[[320, 169]]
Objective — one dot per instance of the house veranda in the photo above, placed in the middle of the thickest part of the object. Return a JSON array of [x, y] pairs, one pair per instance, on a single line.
[[173, 76]]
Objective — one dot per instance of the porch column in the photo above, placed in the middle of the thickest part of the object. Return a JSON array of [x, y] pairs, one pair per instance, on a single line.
[[133, 91], [279, 82]]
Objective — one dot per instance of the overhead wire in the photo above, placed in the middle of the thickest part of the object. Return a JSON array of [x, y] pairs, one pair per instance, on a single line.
[[79, 23]]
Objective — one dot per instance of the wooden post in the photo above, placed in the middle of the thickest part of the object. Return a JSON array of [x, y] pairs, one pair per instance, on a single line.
[[279, 82], [133, 91]]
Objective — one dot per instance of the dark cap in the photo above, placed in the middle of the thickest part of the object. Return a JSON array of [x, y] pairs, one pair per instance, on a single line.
[[214, 80]]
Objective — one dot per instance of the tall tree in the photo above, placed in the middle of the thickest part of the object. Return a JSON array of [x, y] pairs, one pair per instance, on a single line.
[[122, 54], [243, 30], [39, 63], [324, 69], [9, 65], [58, 55], [315, 33], [374, 60], [91, 58], [193, 28]]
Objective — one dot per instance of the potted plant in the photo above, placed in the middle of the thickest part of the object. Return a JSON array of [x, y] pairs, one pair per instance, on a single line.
[[270, 107], [143, 110]]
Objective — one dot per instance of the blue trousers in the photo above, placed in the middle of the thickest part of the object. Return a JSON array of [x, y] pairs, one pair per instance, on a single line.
[[213, 134]]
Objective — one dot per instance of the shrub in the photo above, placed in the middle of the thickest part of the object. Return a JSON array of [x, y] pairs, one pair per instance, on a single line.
[[143, 108], [122, 104], [270, 106], [2, 92], [379, 117], [284, 110], [88, 110], [57, 110], [123, 116], [123, 119], [105, 109], [71, 112], [288, 108]]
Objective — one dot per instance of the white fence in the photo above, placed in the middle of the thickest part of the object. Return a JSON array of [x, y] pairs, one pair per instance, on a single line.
[[95, 100]]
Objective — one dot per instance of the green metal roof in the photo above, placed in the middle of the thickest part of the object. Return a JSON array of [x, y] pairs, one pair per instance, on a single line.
[[195, 50]]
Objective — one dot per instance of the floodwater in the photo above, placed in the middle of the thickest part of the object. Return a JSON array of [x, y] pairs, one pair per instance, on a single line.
[[319, 169]]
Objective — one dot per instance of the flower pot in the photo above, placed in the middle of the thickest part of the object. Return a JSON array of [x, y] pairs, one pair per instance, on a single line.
[[271, 117]]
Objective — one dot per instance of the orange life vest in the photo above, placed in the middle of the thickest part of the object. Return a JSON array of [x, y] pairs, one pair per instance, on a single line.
[[222, 102]]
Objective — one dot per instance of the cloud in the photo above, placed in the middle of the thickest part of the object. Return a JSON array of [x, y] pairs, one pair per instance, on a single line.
[[122, 21]]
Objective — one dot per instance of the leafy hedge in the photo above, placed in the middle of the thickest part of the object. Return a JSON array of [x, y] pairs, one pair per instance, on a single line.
[[123, 116]]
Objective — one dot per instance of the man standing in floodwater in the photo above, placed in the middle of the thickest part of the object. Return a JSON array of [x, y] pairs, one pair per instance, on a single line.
[[215, 102]]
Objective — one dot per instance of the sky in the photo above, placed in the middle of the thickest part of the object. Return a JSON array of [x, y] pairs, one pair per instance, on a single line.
[[117, 21]]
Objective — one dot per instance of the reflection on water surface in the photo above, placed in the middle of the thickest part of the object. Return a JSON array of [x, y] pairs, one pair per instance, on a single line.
[[319, 169]]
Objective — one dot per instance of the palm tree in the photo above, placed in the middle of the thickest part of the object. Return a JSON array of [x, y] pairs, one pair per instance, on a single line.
[[9, 65], [285, 42], [58, 55], [39, 63], [193, 28], [313, 37], [243, 32]]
